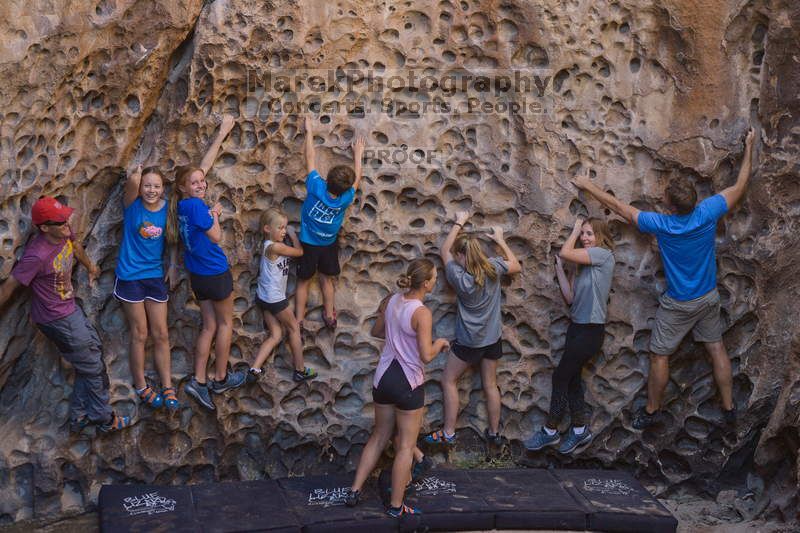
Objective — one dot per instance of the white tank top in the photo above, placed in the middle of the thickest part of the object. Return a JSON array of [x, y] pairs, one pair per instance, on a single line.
[[272, 277]]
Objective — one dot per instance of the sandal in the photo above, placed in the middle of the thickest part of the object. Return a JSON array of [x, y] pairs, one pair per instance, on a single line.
[[170, 399], [397, 512], [438, 437], [116, 423], [150, 397]]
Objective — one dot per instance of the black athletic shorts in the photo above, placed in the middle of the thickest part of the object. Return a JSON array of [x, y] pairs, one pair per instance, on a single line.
[[473, 356], [274, 308], [394, 389], [324, 259], [216, 288]]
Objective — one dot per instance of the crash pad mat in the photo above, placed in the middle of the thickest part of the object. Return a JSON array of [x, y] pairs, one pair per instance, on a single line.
[[450, 500]]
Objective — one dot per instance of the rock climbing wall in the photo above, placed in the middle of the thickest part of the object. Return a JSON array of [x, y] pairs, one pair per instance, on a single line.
[[637, 91]]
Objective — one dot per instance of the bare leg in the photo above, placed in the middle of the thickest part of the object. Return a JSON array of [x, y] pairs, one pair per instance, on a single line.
[[137, 323], [269, 344], [384, 427], [492, 393], [301, 297], [722, 372], [223, 312], [157, 318], [418, 455], [288, 321], [408, 424], [657, 381], [328, 294], [203, 348], [452, 371]]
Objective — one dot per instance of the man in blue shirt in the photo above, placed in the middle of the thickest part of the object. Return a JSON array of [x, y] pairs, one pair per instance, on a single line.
[[691, 302]]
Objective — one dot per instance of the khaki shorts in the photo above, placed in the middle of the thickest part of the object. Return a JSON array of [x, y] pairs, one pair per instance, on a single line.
[[674, 319]]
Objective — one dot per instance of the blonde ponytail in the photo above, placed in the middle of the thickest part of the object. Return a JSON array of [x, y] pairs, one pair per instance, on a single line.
[[477, 264]]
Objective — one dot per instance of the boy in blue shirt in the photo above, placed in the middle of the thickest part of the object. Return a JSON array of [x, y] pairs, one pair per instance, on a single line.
[[691, 302], [320, 220]]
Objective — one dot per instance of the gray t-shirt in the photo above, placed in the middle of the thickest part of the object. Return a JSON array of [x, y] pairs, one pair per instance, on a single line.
[[590, 293], [478, 321]]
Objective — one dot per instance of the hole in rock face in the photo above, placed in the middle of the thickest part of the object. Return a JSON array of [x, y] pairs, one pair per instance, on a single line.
[[635, 65], [133, 104]]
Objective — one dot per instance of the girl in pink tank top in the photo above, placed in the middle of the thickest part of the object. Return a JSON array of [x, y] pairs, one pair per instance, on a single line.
[[397, 393]]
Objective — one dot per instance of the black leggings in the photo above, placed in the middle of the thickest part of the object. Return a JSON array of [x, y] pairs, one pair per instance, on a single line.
[[582, 343]]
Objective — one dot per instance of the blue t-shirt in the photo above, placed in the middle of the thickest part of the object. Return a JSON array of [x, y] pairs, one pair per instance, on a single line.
[[322, 215], [202, 256], [142, 242], [687, 247]]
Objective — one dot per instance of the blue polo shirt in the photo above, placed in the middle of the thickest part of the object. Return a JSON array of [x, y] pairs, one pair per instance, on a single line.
[[686, 243], [322, 215]]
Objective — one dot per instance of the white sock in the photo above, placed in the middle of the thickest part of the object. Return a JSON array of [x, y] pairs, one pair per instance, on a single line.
[[255, 370], [579, 430], [446, 434], [550, 432]]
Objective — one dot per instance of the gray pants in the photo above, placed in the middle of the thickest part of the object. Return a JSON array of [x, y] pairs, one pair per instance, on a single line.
[[79, 344]]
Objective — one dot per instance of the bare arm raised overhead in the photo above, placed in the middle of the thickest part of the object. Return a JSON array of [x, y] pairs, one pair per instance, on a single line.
[[311, 156], [444, 252], [131, 191], [628, 212], [735, 192], [358, 155], [572, 254], [213, 151], [514, 267]]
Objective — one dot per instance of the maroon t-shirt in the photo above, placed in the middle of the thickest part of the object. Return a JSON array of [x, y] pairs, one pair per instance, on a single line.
[[47, 269]]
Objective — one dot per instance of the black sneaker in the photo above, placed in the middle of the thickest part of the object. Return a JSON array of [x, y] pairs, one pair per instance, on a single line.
[[352, 498], [492, 438], [232, 380], [729, 416], [642, 419], [199, 391], [421, 468]]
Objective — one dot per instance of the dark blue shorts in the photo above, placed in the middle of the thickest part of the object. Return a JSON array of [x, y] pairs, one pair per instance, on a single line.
[[137, 291]]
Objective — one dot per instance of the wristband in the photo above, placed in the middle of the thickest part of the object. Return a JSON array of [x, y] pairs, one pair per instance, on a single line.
[[459, 225]]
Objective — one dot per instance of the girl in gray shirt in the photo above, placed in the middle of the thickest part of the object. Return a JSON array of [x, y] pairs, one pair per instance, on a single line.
[[588, 296], [476, 280]]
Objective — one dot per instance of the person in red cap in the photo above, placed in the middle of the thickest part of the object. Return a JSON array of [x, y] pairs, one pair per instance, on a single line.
[[46, 267]]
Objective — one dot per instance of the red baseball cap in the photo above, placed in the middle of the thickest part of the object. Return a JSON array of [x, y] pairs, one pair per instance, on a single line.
[[48, 209]]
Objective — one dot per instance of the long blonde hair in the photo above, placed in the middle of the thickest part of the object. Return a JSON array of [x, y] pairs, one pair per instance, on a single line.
[[601, 233], [477, 264], [181, 175]]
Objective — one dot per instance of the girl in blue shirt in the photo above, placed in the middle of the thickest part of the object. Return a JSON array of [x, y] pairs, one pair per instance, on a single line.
[[141, 284], [210, 277]]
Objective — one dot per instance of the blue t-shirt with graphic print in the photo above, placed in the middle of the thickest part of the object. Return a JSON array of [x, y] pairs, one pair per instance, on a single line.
[[140, 254], [322, 215], [686, 243]]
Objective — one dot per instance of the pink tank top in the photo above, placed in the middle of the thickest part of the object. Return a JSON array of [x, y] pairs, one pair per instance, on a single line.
[[401, 341]]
